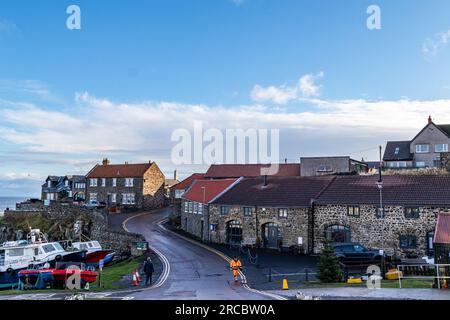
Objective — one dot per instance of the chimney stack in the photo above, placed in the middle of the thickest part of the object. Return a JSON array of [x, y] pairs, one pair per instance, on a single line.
[[429, 119], [265, 180], [105, 161], [175, 174]]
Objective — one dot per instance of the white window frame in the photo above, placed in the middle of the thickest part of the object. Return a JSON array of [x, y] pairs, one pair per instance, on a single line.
[[282, 213], [103, 182], [113, 197], [444, 149], [195, 207], [129, 182], [93, 182], [179, 193], [128, 198], [92, 197], [419, 149], [421, 164], [114, 182], [200, 208], [49, 184]]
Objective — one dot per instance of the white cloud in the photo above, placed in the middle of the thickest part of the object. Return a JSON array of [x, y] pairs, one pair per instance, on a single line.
[[306, 87], [7, 26], [237, 2], [28, 87], [431, 46]]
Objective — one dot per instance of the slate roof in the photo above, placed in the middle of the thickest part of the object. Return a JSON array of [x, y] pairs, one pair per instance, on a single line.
[[279, 192], [119, 170], [442, 232], [430, 190], [445, 128], [186, 183], [404, 153], [250, 170], [206, 190]]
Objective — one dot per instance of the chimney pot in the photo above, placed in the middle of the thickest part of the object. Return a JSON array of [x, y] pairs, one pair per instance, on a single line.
[[429, 119], [265, 180], [105, 161]]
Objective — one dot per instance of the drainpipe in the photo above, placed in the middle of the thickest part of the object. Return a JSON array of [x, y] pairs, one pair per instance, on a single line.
[[257, 228]]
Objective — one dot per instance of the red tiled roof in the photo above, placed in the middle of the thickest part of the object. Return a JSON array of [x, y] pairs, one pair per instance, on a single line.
[[119, 170], [186, 183], [206, 190], [251, 170], [442, 232]]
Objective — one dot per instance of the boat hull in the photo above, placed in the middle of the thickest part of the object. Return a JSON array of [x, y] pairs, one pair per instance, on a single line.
[[93, 258]]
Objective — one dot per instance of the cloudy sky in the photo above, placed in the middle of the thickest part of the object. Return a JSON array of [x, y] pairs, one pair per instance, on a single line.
[[134, 73]]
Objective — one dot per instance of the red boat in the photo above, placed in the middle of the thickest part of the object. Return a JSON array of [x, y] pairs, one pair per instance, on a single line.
[[87, 276]]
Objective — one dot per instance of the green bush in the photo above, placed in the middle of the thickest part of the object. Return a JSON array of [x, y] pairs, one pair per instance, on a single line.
[[328, 268]]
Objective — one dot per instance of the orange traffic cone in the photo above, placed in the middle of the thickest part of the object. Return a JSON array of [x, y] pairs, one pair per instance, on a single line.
[[138, 277], [135, 282]]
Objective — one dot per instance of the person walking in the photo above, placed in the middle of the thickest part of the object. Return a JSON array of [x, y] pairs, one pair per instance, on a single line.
[[235, 266], [148, 270]]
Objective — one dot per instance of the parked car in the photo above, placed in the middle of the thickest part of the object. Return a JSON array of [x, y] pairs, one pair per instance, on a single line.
[[94, 204], [356, 253]]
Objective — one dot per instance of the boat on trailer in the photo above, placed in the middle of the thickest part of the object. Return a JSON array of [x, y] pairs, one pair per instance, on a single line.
[[32, 253], [94, 253]]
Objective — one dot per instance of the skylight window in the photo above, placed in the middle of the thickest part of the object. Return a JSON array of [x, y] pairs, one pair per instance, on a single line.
[[397, 150]]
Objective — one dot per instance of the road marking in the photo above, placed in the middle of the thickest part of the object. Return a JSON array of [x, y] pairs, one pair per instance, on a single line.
[[226, 258], [166, 265]]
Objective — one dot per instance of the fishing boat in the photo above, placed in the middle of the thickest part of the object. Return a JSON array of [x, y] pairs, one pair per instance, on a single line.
[[31, 254], [94, 253]]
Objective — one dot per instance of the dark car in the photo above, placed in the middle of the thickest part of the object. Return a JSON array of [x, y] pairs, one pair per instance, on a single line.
[[356, 253]]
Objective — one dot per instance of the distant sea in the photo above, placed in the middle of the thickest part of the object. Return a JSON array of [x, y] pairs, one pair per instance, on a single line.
[[10, 202]]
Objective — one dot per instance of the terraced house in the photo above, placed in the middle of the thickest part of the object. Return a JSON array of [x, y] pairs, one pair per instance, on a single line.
[[299, 213], [139, 186]]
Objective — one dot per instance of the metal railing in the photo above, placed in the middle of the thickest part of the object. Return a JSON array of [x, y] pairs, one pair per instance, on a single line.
[[272, 273], [439, 273]]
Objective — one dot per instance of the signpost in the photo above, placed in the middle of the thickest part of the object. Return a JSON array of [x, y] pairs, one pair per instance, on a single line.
[[101, 264], [142, 245]]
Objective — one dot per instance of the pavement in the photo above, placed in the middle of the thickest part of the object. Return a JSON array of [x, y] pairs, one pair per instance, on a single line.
[[346, 293], [192, 271]]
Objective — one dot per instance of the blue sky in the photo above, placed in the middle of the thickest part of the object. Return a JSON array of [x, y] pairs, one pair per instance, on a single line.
[[310, 68]]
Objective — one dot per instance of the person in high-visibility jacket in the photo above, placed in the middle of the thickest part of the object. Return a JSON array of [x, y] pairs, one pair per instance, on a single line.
[[235, 266]]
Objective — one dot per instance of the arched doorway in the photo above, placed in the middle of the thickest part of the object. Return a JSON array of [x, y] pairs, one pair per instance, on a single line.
[[338, 233], [234, 232], [271, 235]]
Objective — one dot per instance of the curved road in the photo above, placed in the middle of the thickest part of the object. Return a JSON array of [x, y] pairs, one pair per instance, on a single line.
[[195, 272]]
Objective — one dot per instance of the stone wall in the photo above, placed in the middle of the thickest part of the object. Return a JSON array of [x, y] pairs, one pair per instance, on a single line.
[[153, 188], [374, 232], [290, 228], [59, 219], [445, 160]]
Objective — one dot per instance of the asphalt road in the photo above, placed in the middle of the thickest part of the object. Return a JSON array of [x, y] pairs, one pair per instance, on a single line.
[[195, 272]]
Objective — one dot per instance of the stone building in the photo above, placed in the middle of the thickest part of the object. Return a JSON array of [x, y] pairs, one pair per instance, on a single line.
[[272, 212], [130, 186], [349, 210], [221, 171], [196, 202]]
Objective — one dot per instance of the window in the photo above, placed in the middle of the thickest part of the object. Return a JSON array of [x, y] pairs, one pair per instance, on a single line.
[[397, 150], [224, 210], [324, 168], [128, 198], [195, 207], [48, 248], [49, 184], [15, 252], [408, 242], [398, 164], [114, 182], [353, 211], [411, 212], [420, 164], [113, 197], [283, 213], [191, 207], [200, 208], [50, 196], [338, 233], [441, 147], [186, 207], [66, 183], [103, 182], [422, 148], [92, 182], [179, 193], [79, 185], [380, 212], [248, 211], [58, 246], [129, 182], [93, 197]]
